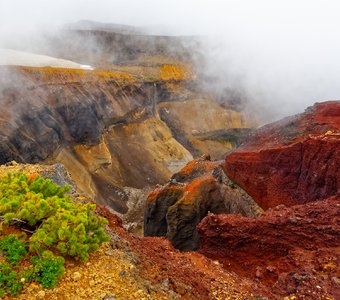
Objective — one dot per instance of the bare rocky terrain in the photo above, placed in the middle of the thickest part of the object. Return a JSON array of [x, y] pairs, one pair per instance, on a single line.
[[228, 211]]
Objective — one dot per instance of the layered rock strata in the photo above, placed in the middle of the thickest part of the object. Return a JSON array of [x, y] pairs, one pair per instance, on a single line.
[[106, 127]]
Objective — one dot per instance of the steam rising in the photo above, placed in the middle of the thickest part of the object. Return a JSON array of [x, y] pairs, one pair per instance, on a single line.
[[279, 55]]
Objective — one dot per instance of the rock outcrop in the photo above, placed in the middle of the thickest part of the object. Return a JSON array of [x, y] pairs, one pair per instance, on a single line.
[[174, 210], [288, 251], [292, 161]]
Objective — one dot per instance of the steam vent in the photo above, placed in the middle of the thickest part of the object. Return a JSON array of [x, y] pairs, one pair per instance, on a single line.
[[126, 175]]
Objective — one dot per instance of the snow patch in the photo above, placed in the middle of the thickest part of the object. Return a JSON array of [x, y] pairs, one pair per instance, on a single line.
[[20, 58]]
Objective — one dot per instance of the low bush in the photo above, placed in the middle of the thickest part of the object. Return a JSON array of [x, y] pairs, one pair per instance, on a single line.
[[58, 225], [9, 280], [13, 249], [48, 269]]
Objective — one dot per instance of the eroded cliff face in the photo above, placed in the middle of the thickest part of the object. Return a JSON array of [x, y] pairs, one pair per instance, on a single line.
[[47, 107], [125, 126], [133, 155], [195, 122], [293, 161]]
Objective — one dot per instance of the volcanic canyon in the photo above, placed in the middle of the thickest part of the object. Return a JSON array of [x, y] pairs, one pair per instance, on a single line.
[[203, 201]]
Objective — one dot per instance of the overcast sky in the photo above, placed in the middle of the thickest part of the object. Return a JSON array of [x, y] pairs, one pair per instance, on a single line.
[[188, 16], [286, 54]]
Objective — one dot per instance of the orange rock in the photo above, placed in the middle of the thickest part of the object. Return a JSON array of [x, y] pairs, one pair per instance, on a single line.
[[174, 210], [176, 72], [31, 177]]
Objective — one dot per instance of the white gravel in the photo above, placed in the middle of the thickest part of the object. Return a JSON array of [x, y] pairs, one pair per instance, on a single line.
[[21, 58]]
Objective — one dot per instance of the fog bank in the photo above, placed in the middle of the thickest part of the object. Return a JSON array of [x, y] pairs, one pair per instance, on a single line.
[[280, 56]]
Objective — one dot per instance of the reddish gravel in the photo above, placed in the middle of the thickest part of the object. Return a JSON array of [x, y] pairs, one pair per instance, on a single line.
[[292, 250], [189, 275]]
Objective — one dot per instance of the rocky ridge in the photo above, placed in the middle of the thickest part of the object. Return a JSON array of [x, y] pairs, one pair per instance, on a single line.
[[292, 161], [290, 168]]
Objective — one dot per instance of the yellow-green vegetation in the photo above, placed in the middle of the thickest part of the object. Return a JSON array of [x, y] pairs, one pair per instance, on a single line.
[[58, 226]]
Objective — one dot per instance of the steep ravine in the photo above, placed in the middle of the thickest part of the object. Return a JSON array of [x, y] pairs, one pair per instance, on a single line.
[[112, 130]]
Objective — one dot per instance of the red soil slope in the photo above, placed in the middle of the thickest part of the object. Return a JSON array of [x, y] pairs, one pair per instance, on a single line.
[[292, 161], [291, 251], [188, 275]]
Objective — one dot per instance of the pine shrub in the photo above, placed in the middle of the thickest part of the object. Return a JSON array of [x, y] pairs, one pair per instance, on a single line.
[[59, 226], [47, 270], [13, 249], [59, 223], [9, 280]]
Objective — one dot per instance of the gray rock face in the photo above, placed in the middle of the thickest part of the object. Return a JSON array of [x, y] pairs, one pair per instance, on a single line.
[[59, 175]]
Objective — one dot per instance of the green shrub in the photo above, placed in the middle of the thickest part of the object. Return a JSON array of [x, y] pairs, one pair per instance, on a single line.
[[13, 249], [9, 280], [57, 224], [30, 199], [75, 232], [71, 228], [47, 269]]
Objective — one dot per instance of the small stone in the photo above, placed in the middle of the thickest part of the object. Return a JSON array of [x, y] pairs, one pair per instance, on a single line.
[[92, 283], [271, 269], [138, 293], [299, 278], [165, 282], [109, 253], [180, 289], [318, 287], [122, 273], [258, 272], [41, 295], [76, 276], [336, 280]]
